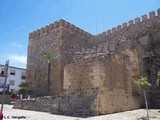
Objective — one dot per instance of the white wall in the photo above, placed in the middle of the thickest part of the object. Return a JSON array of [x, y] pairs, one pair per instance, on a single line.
[[16, 78]]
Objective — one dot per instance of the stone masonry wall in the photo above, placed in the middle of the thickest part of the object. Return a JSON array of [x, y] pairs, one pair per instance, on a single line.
[[51, 37], [98, 70], [115, 90], [43, 39], [110, 74], [93, 85], [141, 34]]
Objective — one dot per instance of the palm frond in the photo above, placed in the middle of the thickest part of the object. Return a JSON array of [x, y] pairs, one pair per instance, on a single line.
[[49, 55]]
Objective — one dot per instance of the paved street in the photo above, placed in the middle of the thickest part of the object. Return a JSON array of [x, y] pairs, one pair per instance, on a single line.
[[17, 114]]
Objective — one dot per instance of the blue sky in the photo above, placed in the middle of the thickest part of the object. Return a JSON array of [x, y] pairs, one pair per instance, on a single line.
[[19, 17]]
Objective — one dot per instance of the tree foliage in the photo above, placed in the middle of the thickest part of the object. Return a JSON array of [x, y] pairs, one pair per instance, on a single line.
[[49, 55], [143, 82], [22, 89], [158, 78]]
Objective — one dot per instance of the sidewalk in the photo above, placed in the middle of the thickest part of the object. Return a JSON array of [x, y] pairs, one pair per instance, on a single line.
[[18, 114]]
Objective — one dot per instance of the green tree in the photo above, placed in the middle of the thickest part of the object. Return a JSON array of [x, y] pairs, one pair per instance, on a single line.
[[49, 56], [158, 78], [14, 94], [144, 84], [22, 89]]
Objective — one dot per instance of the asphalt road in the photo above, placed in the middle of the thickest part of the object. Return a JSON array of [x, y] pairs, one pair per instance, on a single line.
[[18, 114]]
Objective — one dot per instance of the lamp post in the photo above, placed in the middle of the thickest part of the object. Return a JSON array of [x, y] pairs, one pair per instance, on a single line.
[[6, 75]]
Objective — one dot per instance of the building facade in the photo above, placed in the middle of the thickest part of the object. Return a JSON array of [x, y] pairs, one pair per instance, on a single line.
[[15, 77]]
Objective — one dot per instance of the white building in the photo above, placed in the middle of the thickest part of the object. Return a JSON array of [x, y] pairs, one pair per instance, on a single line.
[[15, 77]]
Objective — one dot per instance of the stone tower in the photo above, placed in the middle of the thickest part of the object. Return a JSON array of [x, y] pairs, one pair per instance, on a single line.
[[63, 38]]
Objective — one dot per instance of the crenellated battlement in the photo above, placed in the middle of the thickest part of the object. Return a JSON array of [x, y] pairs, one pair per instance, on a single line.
[[144, 18], [44, 30], [68, 25], [57, 24], [63, 23]]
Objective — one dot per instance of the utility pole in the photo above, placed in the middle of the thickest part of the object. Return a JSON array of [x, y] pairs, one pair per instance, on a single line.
[[6, 76]]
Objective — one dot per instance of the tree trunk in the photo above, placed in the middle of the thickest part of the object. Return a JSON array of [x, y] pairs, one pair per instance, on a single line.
[[48, 81], [145, 98]]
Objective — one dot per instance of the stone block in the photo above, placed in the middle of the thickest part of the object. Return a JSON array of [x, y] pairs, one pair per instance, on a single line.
[[144, 17], [152, 15], [114, 30], [137, 20], [131, 22], [158, 12], [124, 25]]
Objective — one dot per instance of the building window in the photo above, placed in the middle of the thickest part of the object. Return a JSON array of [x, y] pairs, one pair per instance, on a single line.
[[11, 82], [2, 72], [23, 75], [12, 72]]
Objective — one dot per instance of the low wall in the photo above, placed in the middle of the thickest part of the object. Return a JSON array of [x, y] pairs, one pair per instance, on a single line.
[[39, 104], [63, 105], [109, 102]]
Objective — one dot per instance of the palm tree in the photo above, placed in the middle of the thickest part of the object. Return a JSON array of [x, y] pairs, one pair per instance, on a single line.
[[49, 56]]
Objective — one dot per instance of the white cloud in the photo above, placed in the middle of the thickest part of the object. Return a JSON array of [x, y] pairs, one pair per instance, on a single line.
[[18, 58]]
